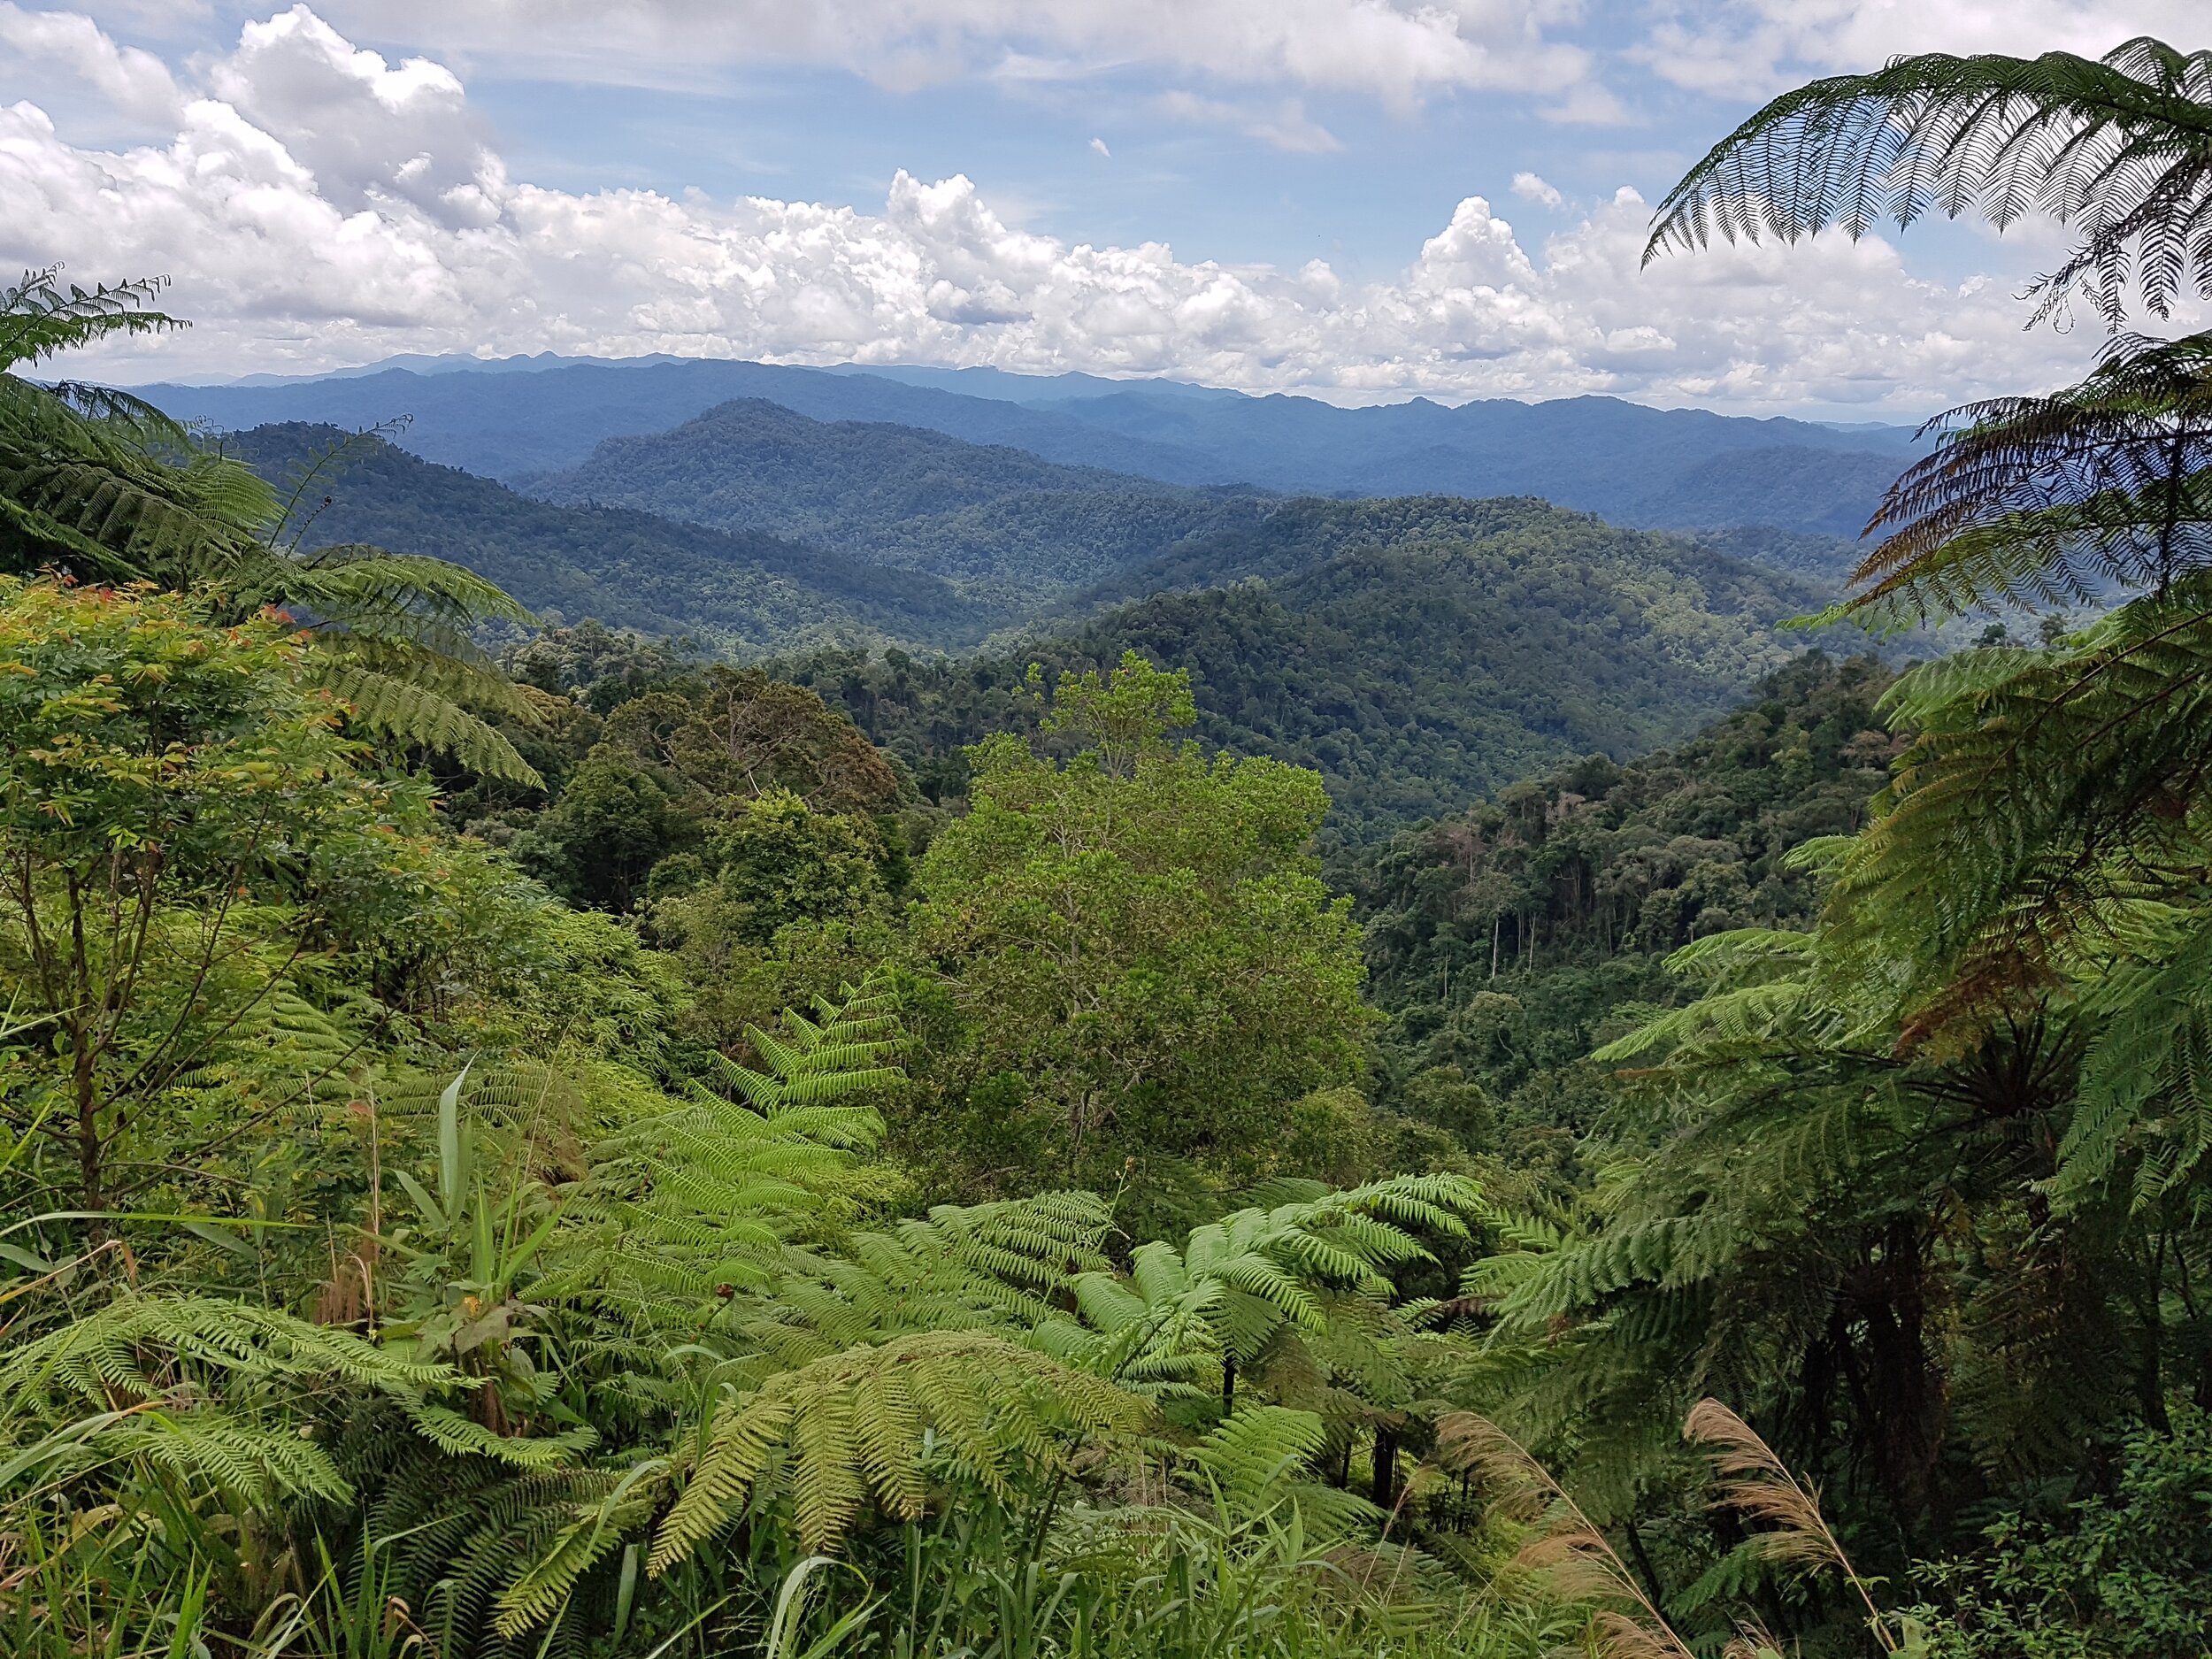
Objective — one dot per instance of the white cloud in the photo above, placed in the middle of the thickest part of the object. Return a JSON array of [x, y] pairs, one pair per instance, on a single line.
[[1400, 50], [1098, 147], [1530, 187], [371, 132], [318, 205], [136, 83], [1748, 49]]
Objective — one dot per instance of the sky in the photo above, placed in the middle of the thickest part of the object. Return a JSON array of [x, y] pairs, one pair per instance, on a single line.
[[1362, 200]]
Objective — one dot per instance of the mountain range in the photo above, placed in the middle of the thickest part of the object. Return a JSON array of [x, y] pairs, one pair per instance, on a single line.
[[1681, 469], [1008, 528]]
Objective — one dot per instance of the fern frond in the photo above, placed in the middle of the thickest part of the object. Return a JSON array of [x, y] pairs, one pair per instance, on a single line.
[[2118, 150], [414, 714], [995, 1408]]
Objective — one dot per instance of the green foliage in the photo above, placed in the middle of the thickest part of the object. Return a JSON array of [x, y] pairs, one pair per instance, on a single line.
[[1507, 943], [613, 823], [2125, 1574], [858, 1424], [1300, 1290], [777, 863], [730, 732], [82, 480], [1417, 654], [672, 789], [104, 486], [1150, 955], [178, 1385], [184, 831], [398, 1262], [1124, 717], [1914, 1175]]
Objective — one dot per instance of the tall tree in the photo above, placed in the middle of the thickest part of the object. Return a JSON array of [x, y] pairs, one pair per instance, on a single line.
[[1136, 949], [183, 832]]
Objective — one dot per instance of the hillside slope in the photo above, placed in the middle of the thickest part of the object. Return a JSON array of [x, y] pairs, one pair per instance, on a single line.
[[994, 519], [745, 593], [1419, 654], [1504, 943]]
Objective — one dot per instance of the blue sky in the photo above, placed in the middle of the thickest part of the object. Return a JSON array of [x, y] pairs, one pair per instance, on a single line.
[[1359, 198]]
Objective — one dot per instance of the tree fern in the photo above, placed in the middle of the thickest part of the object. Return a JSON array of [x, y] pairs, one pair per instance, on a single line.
[[2117, 149], [39, 320], [175, 1381], [1235, 1283], [2049, 502], [459, 1532], [599, 1525], [415, 714], [847, 1053], [694, 1202], [1261, 1457], [2050, 815], [993, 1267], [2145, 1090], [139, 1346]]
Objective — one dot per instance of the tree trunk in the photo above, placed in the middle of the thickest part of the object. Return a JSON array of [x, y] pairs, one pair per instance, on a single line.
[[1644, 1571], [1383, 1489], [85, 1085]]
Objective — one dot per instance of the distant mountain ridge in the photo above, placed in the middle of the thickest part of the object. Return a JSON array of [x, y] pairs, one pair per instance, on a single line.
[[1652, 468], [506, 423]]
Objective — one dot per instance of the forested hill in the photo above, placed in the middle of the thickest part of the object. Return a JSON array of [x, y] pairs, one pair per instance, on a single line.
[[1420, 650], [995, 517], [1418, 653], [1291, 536], [744, 592]]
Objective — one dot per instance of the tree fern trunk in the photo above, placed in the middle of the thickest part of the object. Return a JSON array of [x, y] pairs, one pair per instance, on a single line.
[[1382, 1489]]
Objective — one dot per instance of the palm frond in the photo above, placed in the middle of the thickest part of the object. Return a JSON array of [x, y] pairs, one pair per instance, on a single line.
[[2053, 501], [413, 714]]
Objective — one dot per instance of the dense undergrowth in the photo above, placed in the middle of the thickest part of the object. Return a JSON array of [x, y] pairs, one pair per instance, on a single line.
[[585, 1155]]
